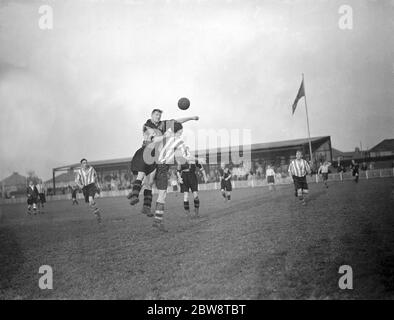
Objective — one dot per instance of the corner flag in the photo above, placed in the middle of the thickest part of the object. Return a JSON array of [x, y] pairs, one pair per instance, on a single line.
[[300, 94]]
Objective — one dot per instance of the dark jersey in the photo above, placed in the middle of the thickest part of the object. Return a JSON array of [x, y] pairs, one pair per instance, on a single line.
[[151, 130], [226, 175], [32, 193], [192, 167], [162, 126]]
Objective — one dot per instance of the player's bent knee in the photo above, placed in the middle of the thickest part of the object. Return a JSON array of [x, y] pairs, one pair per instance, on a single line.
[[140, 176], [162, 196]]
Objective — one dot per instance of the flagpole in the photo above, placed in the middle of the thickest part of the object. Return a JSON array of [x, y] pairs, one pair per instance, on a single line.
[[307, 122]]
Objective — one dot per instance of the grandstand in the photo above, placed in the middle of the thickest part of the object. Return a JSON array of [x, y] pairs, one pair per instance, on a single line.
[[115, 174]]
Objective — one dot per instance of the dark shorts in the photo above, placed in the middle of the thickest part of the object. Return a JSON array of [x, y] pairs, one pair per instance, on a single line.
[[300, 183], [325, 176], [89, 191], [175, 187], [226, 185], [162, 176], [31, 200], [270, 179], [190, 182], [139, 165], [42, 197]]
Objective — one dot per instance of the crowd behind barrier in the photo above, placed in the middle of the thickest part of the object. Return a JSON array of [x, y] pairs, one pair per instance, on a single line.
[[251, 180]]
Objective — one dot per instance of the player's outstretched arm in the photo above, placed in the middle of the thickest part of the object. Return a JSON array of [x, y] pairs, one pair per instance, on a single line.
[[186, 119]]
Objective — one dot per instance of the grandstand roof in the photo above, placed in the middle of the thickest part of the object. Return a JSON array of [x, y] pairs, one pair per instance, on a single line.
[[287, 143], [384, 145], [254, 147], [96, 163], [279, 144]]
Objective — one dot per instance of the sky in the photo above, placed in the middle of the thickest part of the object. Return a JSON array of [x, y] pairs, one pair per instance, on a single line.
[[85, 87]]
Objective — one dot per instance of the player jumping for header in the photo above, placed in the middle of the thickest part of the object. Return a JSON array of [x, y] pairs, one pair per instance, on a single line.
[[87, 180], [172, 148], [298, 169], [144, 162]]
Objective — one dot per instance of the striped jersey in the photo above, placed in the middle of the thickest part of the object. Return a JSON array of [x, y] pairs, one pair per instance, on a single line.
[[40, 188], [86, 177], [171, 145], [299, 168]]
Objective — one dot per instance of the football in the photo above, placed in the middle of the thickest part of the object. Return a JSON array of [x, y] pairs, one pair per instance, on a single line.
[[183, 103]]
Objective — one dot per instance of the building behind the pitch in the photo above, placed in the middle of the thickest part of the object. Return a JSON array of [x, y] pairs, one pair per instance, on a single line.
[[114, 174]]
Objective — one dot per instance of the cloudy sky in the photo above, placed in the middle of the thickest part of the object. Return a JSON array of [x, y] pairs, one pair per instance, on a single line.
[[84, 88]]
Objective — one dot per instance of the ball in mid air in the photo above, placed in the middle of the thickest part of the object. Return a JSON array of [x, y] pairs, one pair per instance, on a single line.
[[183, 103]]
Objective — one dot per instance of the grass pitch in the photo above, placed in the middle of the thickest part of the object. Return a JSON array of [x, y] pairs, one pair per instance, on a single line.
[[261, 245]]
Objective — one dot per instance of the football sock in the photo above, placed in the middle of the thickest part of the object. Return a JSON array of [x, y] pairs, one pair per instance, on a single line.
[[196, 203], [159, 212], [136, 188], [147, 198], [93, 207]]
